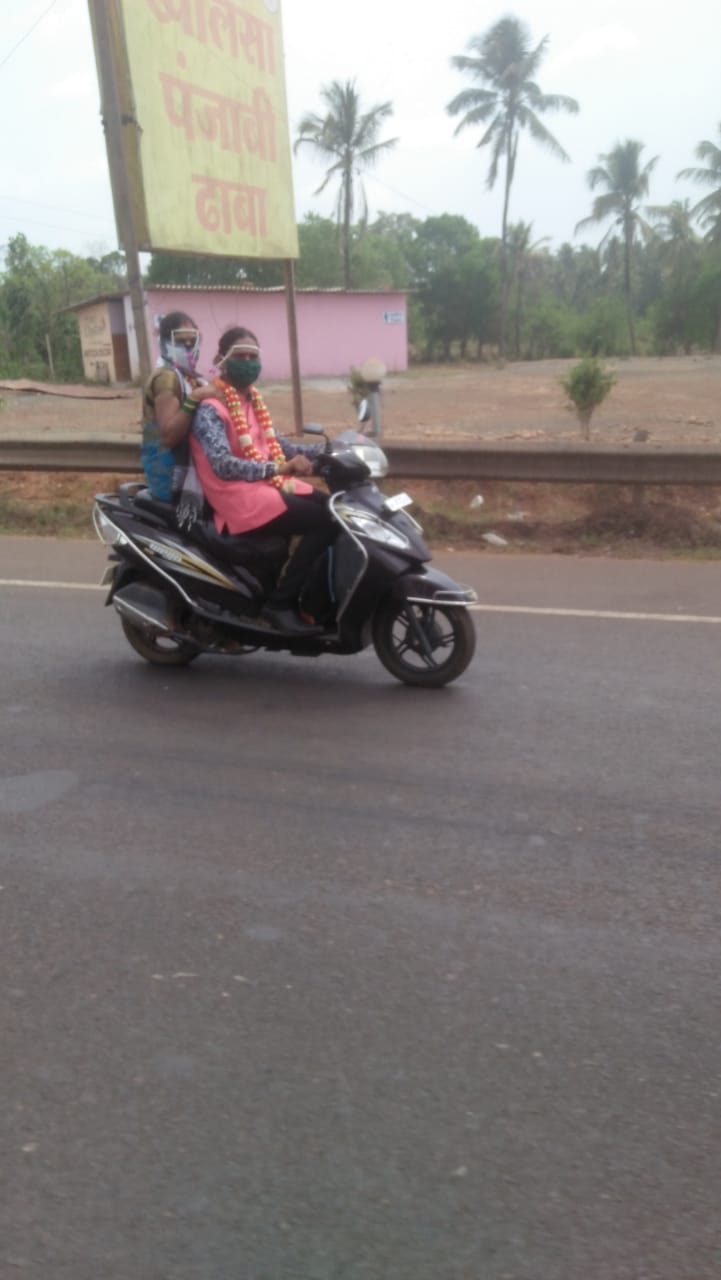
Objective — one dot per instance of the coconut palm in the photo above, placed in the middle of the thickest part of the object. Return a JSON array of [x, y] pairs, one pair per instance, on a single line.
[[346, 135], [506, 100], [523, 256], [676, 251], [626, 185], [679, 243], [708, 210]]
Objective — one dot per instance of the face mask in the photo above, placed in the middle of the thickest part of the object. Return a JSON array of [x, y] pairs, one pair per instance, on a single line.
[[181, 348], [185, 357], [242, 373]]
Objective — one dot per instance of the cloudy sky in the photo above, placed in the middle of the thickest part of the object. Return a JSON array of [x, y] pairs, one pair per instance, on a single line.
[[639, 69]]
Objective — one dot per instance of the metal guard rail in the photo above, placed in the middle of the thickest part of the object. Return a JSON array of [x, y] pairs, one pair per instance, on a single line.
[[554, 462]]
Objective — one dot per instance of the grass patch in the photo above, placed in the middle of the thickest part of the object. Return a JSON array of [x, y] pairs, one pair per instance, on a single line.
[[51, 504], [51, 519], [653, 521], [571, 519]]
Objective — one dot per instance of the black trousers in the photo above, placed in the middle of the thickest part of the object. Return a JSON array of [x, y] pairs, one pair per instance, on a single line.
[[309, 515]]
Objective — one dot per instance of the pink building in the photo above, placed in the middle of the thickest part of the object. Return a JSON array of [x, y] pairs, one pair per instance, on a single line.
[[337, 331]]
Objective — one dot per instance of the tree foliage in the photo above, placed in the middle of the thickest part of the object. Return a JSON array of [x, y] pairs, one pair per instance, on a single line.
[[36, 285], [201, 270], [346, 137], [625, 184], [708, 209], [506, 101]]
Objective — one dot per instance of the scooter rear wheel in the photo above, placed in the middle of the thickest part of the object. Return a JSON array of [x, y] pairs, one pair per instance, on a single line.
[[422, 644], [161, 650]]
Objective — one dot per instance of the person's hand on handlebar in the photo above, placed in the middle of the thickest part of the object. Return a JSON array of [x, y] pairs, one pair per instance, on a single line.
[[297, 466]]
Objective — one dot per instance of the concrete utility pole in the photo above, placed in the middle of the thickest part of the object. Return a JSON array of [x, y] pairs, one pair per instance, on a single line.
[[106, 23], [289, 270]]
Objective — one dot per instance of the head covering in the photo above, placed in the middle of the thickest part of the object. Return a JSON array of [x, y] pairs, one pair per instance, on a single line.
[[172, 330]]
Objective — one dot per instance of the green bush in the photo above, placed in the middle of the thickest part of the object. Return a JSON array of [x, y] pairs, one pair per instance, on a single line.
[[587, 386]]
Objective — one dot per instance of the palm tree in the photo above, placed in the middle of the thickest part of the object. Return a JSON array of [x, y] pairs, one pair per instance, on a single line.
[[507, 100], [626, 184], [673, 224], [708, 210], [523, 256], [348, 136], [677, 249]]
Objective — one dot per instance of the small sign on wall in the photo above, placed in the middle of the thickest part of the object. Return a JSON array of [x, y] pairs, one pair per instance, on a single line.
[[96, 343], [394, 317]]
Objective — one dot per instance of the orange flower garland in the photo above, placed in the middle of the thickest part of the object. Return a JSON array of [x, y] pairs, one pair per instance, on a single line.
[[236, 409]]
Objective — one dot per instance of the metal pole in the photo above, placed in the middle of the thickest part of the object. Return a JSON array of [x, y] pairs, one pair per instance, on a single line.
[[103, 14], [289, 272], [374, 404]]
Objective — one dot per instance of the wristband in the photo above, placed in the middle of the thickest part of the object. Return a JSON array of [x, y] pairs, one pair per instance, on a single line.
[[189, 405]]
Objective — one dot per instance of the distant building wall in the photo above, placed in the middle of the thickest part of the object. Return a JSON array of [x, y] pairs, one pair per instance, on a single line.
[[336, 331]]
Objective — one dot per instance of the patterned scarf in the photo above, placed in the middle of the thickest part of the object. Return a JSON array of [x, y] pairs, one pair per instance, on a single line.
[[186, 487]]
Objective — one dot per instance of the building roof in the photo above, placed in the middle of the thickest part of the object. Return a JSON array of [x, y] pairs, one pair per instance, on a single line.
[[119, 295], [98, 297], [253, 288]]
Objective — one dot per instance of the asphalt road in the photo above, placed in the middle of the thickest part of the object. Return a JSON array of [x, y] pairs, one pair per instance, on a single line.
[[309, 975]]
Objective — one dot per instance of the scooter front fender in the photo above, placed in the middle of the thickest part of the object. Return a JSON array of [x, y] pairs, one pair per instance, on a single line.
[[123, 572], [430, 586]]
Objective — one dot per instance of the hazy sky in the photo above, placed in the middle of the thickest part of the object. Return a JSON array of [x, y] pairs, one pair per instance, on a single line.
[[639, 69]]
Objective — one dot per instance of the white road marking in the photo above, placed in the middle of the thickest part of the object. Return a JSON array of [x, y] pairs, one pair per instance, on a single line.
[[595, 613], [542, 611], [61, 586]]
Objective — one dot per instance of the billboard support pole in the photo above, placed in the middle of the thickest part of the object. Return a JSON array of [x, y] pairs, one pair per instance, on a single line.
[[289, 271], [113, 124]]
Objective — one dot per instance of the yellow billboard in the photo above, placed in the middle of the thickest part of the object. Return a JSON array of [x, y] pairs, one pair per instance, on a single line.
[[205, 126]]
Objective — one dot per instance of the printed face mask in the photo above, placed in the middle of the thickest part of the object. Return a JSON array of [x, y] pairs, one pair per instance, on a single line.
[[183, 348], [242, 373], [180, 355]]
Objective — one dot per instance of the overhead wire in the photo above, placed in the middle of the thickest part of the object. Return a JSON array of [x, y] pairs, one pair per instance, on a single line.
[[372, 177], [54, 208], [8, 220], [29, 32]]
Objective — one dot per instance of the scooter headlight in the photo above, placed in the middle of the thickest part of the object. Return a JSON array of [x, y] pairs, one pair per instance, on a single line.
[[108, 532], [373, 457], [370, 526]]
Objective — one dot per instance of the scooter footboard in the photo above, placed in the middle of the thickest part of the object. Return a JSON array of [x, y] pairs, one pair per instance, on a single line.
[[430, 586]]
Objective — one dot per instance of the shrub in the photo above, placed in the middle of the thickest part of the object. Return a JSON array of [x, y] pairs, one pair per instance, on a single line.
[[587, 386]]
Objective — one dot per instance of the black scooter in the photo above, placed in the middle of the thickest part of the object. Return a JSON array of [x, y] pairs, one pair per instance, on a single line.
[[180, 594]]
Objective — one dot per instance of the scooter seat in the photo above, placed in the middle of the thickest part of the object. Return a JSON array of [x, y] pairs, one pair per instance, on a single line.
[[165, 510], [239, 548], [236, 548]]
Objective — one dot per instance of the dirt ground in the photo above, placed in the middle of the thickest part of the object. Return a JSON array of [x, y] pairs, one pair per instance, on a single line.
[[675, 401]]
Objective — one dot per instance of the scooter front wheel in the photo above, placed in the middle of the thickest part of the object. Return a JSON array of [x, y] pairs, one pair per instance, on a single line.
[[161, 650], [424, 644]]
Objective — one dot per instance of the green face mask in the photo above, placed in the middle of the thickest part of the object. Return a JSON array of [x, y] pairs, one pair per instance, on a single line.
[[242, 373]]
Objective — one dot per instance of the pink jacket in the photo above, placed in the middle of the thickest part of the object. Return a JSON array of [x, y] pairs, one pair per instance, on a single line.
[[240, 505]]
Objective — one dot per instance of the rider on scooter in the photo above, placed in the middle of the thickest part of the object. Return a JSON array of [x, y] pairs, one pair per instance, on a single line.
[[250, 475]]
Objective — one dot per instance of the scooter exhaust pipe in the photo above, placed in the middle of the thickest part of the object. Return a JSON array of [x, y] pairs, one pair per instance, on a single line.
[[145, 607]]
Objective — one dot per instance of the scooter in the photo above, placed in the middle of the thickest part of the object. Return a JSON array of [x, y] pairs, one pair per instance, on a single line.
[[180, 594]]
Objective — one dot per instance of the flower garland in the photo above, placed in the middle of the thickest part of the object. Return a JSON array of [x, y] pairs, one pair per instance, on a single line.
[[236, 409]]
